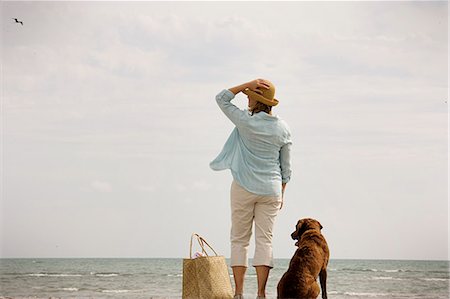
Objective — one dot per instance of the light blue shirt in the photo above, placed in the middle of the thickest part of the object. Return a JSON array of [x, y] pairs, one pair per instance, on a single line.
[[258, 149]]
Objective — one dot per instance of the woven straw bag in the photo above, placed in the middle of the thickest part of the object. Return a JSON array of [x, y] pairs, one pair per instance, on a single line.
[[206, 277]]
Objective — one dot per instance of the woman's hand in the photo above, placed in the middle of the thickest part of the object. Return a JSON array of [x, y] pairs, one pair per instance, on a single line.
[[258, 83], [253, 85]]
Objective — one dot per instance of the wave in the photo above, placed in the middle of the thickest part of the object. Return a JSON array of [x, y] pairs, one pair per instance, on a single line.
[[115, 291], [389, 270], [70, 289], [395, 271], [175, 275], [386, 278], [106, 274], [366, 294], [435, 279], [71, 275], [53, 275], [374, 270], [358, 270], [394, 278], [359, 294]]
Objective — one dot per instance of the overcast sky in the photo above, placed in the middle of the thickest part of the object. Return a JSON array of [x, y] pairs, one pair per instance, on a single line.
[[109, 122]]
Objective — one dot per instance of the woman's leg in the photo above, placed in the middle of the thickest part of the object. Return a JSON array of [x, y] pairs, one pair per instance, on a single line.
[[262, 272], [242, 206], [266, 210], [239, 275]]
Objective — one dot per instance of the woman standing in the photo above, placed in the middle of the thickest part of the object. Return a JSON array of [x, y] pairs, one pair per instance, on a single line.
[[258, 155]]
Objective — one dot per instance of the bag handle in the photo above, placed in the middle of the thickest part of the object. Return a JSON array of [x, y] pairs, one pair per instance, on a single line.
[[202, 243]]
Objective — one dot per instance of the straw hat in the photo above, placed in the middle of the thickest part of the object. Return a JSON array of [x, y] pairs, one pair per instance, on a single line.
[[266, 96]]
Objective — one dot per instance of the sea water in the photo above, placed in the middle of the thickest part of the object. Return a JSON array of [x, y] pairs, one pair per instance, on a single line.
[[162, 278]]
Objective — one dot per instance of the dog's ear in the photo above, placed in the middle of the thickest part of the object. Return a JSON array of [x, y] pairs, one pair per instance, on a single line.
[[320, 225], [302, 225]]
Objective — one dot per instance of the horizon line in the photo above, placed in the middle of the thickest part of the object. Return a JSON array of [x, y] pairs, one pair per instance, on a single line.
[[280, 258]]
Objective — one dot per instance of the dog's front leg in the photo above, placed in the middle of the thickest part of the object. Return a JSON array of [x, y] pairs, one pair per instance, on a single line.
[[323, 282]]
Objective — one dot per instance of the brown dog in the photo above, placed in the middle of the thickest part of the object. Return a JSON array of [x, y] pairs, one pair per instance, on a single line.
[[309, 261]]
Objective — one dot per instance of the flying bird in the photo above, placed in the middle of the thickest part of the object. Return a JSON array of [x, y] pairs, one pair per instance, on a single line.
[[17, 21]]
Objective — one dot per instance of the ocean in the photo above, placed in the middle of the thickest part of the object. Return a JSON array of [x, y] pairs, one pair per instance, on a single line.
[[162, 278]]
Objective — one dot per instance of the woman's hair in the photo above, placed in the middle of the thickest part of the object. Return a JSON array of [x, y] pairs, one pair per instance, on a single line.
[[260, 107]]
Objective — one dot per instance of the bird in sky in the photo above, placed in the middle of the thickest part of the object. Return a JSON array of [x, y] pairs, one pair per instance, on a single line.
[[17, 21]]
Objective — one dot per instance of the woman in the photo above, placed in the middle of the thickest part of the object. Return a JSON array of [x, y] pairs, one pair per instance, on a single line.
[[258, 155]]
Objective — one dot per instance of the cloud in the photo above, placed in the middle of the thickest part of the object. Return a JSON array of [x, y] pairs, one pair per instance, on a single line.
[[146, 188], [101, 186], [130, 92], [200, 185]]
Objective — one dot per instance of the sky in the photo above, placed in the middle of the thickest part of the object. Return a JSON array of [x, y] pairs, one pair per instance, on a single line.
[[109, 122]]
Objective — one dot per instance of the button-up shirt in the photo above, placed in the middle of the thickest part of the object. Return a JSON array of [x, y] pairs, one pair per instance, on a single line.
[[258, 150]]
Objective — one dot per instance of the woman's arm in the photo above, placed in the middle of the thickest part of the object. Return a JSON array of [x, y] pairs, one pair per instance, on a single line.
[[224, 98], [236, 115], [285, 164], [283, 187], [253, 85]]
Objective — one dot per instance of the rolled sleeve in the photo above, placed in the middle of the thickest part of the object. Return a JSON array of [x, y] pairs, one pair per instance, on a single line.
[[236, 115], [285, 162]]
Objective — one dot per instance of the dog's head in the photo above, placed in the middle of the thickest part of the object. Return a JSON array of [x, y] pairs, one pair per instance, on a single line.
[[304, 225]]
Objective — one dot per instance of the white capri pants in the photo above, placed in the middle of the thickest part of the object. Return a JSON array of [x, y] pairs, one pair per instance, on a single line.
[[246, 207]]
